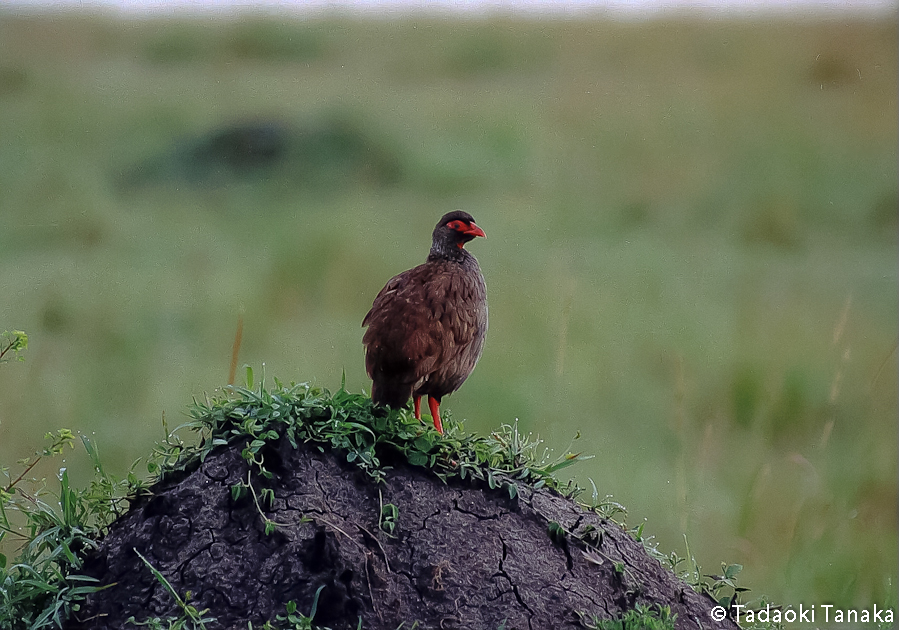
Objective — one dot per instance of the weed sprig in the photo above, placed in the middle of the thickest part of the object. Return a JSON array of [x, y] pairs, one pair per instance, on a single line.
[[42, 586]]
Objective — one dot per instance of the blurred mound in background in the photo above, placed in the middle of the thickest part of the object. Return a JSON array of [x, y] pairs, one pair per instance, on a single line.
[[330, 153]]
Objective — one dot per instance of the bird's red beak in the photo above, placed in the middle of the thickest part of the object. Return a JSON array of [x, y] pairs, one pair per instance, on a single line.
[[474, 230]]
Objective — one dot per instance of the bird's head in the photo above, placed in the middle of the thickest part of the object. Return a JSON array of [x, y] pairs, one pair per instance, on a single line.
[[454, 230]]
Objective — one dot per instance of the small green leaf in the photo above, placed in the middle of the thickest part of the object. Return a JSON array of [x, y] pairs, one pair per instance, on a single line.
[[423, 443], [638, 536], [556, 532], [731, 570], [315, 601]]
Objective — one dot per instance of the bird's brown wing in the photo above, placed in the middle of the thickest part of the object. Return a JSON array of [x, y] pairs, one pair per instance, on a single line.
[[403, 341]]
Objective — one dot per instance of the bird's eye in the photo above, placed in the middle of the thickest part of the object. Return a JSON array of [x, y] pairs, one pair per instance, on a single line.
[[456, 225]]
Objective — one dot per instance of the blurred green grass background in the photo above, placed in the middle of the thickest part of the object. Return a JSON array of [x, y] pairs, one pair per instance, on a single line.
[[691, 253]]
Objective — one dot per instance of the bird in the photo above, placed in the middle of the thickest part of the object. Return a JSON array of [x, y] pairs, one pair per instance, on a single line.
[[426, 327]]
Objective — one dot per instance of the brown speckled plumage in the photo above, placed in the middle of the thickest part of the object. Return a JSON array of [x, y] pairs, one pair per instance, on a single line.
[[426, 327]]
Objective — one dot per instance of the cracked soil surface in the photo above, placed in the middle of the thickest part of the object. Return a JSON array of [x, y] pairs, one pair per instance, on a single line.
[[461, 555]]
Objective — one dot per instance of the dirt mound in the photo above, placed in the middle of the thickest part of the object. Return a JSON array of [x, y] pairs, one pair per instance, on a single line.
[[459, 556]]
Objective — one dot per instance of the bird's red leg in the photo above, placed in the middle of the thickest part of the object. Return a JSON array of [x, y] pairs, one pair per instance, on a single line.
[[435, 413], [418, 407]]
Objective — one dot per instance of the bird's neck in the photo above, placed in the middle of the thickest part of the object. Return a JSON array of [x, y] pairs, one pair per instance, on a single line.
[[447, 251]]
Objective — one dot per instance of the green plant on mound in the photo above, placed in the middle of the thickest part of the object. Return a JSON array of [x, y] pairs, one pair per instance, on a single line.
[[349, 423], [638, 618]]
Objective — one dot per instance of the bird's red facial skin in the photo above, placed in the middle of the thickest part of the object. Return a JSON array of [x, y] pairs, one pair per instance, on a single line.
[[466, 228], [469, 229]]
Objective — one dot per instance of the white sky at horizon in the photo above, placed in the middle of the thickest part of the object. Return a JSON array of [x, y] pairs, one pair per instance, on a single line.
[[388, 7]]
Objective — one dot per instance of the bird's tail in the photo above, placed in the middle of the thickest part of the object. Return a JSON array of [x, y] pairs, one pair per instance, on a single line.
[[394, 395]]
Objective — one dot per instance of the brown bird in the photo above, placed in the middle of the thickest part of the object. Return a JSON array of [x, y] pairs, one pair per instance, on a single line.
[[426, 327]]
